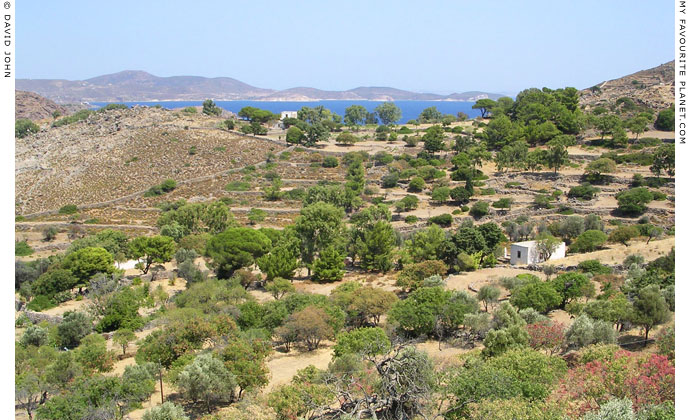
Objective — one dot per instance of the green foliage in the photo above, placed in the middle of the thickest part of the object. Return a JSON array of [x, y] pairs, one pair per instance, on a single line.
[[431, 310], [407, 203], [41, 303], [362, 341], [237, 186], [412, 275], [666, 120], [68, 209], [444, 220], [210, 108], [594, 266], [236, 248], [589, 241], [319, 225], [86, 262], [74, 327], [165, 411], [623, 234], [541, 296], [206, 380], [650, 308], [572, 286], [664, 158], [164, 187], [278, 287], [121, 311], [24, 127], [499, 341], [329, 266], [34, 335], [281, 261], [426, 244], [416, 184], [152, 249], [93, 354], [76, 117], [584, 191], [388, 113], [479, 209], [22, 249], [634, 200], [53, 282], [256, 215], [375, 248], [294, 135]]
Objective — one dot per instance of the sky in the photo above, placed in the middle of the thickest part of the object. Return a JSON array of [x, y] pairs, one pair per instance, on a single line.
[[423, 46]]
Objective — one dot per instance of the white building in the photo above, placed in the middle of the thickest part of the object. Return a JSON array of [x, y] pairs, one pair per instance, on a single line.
[[527, 253], [288, 114]]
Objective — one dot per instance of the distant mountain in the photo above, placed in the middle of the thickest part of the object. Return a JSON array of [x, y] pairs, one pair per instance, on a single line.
[[653, 88], [132, 86], [35, 107]]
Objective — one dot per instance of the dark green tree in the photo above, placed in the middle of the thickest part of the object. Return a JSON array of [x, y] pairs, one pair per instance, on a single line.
[[236, 248]]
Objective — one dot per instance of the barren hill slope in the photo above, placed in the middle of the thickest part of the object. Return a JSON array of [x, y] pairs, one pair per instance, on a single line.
[[653, 88], [120, 152], [34, 107]]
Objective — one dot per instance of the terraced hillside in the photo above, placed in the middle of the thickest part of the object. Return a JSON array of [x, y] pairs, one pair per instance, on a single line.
[[123, 152], [653, 88]]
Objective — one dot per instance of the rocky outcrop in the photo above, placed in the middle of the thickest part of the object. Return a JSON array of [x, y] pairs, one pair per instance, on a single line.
[[653, 88], [32, 106]]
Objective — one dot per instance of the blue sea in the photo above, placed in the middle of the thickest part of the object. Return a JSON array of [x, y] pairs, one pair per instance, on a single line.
[[410, 109]]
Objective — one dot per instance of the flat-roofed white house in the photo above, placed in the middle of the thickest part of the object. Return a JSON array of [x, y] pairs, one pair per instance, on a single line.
[[527, 253], [288, 114]]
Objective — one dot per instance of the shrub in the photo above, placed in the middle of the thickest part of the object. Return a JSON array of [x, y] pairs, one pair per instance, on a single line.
[[634, 201], [595, 267], [665, 121], [68, 209], [34, 336], [658, 196], [362, 341], [40, 303], [22, 249], [583, 192], [411, 219], [24, 127], [479, 209], [417, 184], [167, 410], [330, 162], [444, 220], [237, 186], [589, 241], [623, 234]]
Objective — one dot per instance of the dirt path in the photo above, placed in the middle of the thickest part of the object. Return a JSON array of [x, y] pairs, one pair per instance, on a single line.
[[284, 366]]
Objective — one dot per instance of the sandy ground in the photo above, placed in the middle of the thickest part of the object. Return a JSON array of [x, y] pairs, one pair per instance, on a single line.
[[616, 253], [284, 366]]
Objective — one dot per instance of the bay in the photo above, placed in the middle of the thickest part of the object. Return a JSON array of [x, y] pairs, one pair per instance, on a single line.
[[410, 109]]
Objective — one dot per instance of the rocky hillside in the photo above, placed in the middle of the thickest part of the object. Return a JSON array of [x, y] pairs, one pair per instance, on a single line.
[[34, 107], [133, 86], [120, 152], [653, 88]]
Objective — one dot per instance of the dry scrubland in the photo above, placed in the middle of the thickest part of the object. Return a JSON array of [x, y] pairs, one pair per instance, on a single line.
[[106, 163]]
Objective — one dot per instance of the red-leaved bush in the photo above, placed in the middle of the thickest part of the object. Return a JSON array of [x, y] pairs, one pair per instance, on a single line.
[[642, 378], [546, 336]]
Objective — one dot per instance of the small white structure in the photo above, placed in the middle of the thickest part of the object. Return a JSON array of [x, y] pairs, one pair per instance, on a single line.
[[288, 114], [527, 253]]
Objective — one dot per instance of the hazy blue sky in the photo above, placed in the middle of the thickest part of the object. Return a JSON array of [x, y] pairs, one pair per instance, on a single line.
[[433, 46]]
